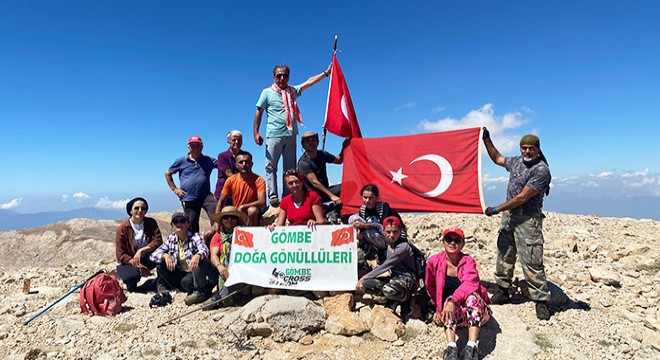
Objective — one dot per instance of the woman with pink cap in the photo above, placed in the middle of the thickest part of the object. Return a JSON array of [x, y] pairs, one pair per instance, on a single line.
[[452, 282]]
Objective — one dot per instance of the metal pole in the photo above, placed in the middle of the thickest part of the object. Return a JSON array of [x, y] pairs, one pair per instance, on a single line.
[[62, 297], [334, 51]]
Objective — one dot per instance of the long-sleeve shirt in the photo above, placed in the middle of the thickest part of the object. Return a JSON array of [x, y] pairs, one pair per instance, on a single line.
[[400, 259], [193, 245], [125, 239], [436, 269]]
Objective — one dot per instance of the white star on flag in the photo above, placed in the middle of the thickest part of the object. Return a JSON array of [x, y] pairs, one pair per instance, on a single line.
[[398, 176]]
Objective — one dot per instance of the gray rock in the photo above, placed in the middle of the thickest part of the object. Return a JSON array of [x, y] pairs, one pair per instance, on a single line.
[[604, 276]]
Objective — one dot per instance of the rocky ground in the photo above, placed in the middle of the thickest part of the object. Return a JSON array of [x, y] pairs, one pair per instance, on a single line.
[[606, 272]]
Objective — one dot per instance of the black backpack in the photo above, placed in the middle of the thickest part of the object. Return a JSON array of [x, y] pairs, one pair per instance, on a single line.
[[420, 262]]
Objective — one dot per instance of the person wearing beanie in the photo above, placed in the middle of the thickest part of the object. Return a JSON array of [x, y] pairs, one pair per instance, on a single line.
[[136, 238], [521, 231]]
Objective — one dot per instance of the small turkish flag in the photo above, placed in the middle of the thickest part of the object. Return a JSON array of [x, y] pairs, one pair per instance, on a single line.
[[340, 116], [437, 172], [342, 236], [243, 238]]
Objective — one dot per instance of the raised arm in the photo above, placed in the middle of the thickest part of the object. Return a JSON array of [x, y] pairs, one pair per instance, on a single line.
[[492, 151], [315, 79]]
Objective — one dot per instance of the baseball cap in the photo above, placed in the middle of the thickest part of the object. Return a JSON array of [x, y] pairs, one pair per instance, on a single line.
[[178, 215], [454, 230], [195, 139]]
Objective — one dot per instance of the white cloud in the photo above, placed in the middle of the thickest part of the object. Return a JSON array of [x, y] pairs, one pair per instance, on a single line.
[[65, 197], [500, 127], [11, 204], [81, 196], [636, 174], [405, 106], [106, 203], [605, 175], [486, 178], [591, 183], [438, 109]]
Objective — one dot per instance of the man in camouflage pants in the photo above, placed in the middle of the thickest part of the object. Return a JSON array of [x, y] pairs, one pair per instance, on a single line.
[[521, 233]]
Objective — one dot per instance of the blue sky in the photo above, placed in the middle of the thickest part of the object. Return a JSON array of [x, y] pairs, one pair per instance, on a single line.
[[99, 97]]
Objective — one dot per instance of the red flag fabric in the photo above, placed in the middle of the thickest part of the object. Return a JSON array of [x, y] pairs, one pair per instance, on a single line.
[[437, 172], [340, 116], [342, 236]]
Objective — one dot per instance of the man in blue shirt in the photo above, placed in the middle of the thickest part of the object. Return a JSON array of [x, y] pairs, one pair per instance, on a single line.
[[279, 102], [194, 178]]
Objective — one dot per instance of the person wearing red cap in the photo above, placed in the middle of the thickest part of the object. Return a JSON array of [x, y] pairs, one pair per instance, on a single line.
[[400, 261], [194, 190], [452, 282]]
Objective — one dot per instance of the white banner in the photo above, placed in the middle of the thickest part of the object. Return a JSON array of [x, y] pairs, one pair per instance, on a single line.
[[294, 257]]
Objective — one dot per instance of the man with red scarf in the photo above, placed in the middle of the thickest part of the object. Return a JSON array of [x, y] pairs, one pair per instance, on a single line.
[[279, 102]]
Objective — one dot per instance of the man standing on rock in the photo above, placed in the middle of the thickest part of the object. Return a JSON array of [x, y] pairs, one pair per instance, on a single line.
[[194, 189], [521, 231], [279, 102]]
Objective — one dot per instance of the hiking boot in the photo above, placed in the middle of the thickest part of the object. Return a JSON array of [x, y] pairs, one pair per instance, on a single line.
[[470, 353], [275, 202], [195, 298], [161, 288], [501, 296], [542, 311], [451, 353]]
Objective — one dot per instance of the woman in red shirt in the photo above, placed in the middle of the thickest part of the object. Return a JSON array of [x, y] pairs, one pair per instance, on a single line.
[[300, 207]]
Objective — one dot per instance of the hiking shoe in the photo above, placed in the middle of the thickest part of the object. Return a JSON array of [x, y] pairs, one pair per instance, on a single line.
[[159, 300], [275, 202], [161, 288], [500, 296], [470, 353], [542, 311], [195, 298], [451, 353]]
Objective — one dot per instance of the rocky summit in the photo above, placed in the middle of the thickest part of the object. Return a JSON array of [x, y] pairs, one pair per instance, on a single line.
[[604, 275]]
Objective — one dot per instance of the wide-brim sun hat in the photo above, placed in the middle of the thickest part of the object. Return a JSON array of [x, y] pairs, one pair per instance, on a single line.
[[230, 210]]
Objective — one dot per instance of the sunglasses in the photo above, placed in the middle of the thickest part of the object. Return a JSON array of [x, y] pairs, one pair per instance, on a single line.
[[451, 239], [179, 221], [282, 76], [140, 208], [230, 217]]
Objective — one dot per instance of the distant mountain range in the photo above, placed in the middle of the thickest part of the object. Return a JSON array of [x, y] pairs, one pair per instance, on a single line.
[[11, 220]]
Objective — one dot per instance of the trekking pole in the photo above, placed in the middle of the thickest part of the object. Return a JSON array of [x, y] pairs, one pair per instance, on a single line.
[[325, 131], [204, 306], [62, 297]]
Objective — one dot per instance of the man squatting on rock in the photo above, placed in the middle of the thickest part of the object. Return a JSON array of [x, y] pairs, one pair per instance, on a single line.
[[521, 230]]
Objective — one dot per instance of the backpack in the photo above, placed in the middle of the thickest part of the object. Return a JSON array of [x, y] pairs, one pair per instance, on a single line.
[[102, 295], [420, 262]]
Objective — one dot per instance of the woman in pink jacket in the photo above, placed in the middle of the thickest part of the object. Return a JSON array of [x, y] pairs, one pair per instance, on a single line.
[[453, 284]]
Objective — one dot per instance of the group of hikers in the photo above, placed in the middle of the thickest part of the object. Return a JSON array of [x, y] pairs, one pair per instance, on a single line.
[[196, 263]]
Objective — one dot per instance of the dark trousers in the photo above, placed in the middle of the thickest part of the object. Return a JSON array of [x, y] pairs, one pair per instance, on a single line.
[[199, 280], [194, 209], [131, 275]]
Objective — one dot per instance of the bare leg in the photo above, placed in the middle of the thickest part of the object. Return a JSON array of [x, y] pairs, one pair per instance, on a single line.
[[473, 333], [451, 335]]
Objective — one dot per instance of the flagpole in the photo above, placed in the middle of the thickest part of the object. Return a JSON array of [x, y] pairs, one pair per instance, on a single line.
[[334, 51]]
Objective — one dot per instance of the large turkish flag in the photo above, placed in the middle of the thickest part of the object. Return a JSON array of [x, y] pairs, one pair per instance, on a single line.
[[340, 116], [437, 172]]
